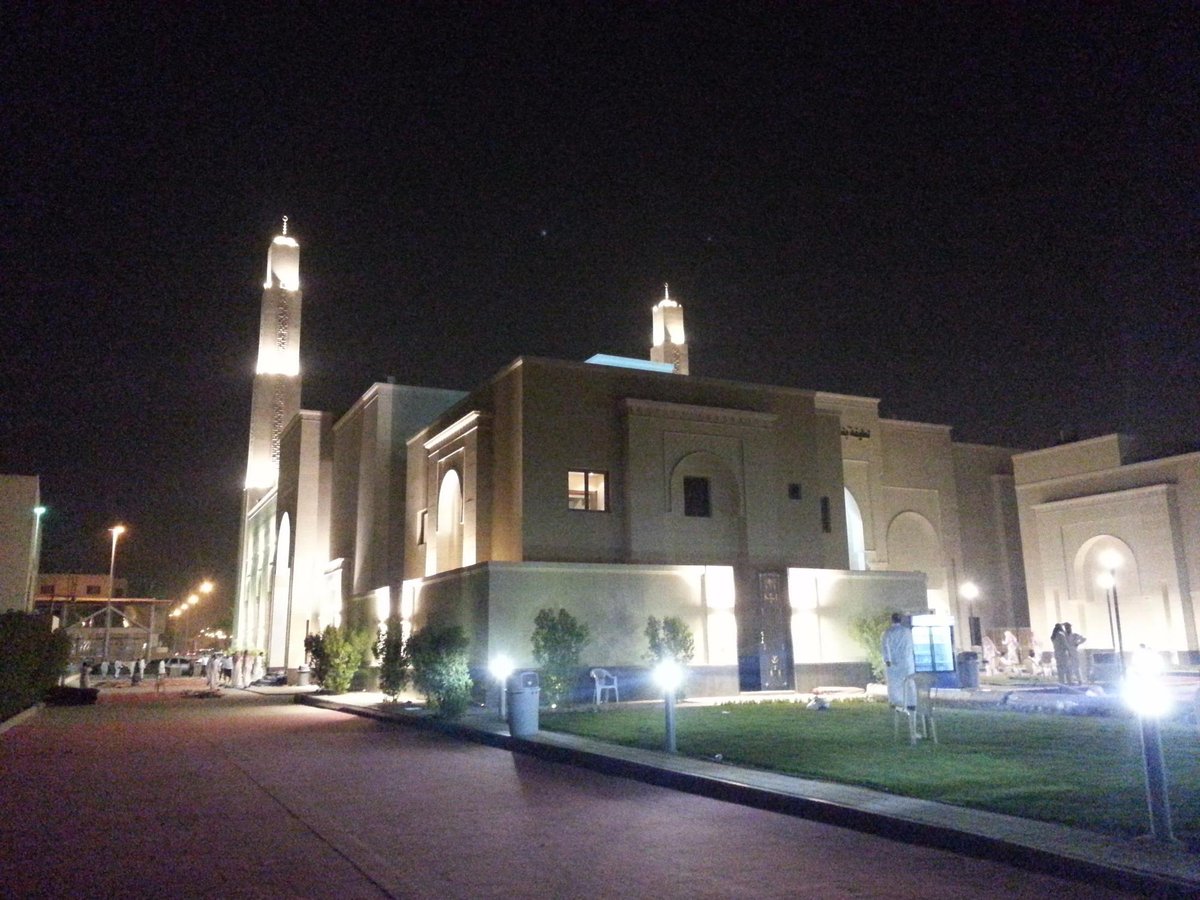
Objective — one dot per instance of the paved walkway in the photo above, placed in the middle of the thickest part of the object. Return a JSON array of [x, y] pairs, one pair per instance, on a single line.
[[1141, 866], [251, 795]]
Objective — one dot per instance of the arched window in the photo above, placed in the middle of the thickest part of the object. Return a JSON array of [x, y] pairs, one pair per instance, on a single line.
[[449, 543], [856, 537]]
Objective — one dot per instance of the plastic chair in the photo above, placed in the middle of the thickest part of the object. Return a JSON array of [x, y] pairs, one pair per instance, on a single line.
[[920, 716], [605, 681]]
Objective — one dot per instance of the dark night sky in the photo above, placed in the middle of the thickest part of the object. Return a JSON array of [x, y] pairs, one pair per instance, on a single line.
[[985, 215]]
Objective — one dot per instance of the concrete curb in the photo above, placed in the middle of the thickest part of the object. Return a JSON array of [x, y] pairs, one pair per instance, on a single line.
[[20, 717], [672, 772]]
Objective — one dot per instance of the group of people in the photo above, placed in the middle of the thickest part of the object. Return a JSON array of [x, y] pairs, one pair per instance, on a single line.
[[237, 670], [111, 669], [1066, 653]]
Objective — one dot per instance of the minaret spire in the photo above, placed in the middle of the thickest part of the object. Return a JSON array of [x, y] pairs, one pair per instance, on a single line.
[[285, 226], [669, 344]]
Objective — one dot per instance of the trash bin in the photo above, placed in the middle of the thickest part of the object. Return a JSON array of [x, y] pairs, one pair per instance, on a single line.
[[524, 693], [968, 670], [1103, 667], [302, 676]]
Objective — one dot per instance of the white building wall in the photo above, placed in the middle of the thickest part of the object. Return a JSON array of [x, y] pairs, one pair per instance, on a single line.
[[1077, 501], [19, 494]]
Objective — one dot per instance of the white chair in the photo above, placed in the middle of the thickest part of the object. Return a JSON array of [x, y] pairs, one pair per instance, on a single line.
[[605, 681], [920, 716]]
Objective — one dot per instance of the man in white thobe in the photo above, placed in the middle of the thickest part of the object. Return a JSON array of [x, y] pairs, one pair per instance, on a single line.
[[899, 663]]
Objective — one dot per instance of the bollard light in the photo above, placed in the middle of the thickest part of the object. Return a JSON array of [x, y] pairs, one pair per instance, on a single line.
[[1144, 692], [669, 675], [501, 667]]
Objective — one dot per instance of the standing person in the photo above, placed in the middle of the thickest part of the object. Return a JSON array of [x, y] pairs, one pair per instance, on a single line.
[[84, 673], [1073, 642], [229, 669], [899, 663], [1062, 653]]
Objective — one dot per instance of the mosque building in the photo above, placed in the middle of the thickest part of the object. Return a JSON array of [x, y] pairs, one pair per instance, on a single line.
[[768, 518]]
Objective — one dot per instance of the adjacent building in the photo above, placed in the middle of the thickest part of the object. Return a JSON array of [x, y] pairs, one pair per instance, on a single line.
[[20, 540], [1110, 529]]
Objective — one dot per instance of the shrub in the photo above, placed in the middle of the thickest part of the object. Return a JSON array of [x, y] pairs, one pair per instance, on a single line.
[[670, 639], [868, 631], [558, 639], [393, 663], [336, 655], [440, 668], [32, 657]]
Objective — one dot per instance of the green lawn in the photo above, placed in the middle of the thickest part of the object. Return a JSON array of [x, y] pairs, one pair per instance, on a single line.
[[1080, 771]]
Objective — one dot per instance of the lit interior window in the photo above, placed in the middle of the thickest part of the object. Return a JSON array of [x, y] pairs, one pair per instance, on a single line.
[[586, 490]]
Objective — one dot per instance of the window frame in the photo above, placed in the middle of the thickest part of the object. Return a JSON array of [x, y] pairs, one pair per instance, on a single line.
[[587, 494], [693, 496]]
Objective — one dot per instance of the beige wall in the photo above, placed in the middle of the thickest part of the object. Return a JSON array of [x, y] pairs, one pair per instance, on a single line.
[[19, 494], [930, 505], [539, 419], [303, 598], [1079, 500], [496, 604]]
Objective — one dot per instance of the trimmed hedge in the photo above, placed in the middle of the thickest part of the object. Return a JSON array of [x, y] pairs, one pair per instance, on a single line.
[[32, 657]]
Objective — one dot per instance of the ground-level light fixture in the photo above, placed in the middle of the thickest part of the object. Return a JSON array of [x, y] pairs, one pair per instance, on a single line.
[[501, 667], [668, 674], [1146, 694]]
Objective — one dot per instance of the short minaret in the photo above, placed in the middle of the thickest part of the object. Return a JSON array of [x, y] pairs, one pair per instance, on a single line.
[[669, 346], [276, 396]]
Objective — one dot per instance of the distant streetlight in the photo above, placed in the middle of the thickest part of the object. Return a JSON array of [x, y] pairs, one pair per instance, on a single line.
[[669, 675], [501, 667], [1111, 561], [35, 555], [117, 531]]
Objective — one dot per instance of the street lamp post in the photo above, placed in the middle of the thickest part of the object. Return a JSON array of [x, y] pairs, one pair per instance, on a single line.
[[1111, 560], [1148, 697], [969, 591], [117, 531], [669, 674], [501, 667], [35, 555]]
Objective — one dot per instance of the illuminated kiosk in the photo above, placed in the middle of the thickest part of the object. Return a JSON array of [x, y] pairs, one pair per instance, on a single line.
[[933, 647]]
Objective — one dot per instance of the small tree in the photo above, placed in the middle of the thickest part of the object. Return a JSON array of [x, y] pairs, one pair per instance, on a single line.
[[336, 655], [558, 639], [393, 663], [670, 639], [868, 631], [440, 668]]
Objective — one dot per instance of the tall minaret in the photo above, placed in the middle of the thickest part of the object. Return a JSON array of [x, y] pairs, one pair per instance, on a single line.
[[669, 346], [276, 396], [275, 400]]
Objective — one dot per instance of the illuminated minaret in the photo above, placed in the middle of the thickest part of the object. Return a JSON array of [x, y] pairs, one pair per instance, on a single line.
[[669, 346], [275, 401], [276, 396]]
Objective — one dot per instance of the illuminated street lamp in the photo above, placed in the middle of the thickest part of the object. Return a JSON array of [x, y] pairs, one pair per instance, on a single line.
[[35, 555], [1111, 561], [969, 591], [1147, 696], [117, 531], [501, 667], [669, 675]]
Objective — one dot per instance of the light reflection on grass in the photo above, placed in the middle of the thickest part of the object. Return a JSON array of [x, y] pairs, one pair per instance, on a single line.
[[1080, 771]]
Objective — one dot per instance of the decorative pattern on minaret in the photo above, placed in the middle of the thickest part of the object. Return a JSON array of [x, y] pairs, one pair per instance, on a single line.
[[281, 324], [277, 407]]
